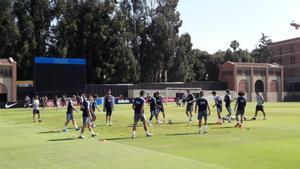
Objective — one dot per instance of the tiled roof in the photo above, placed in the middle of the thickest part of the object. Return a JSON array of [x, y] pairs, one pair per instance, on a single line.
[[271, 65], [8, 61]]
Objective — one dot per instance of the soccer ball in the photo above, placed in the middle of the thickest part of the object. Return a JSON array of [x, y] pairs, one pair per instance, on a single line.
[[225, 118]]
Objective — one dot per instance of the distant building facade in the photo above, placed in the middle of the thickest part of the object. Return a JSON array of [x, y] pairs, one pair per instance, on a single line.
[[8, 77], [287, 54], [250, 77]]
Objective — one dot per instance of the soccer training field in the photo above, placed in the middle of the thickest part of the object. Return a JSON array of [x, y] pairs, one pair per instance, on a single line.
[[264, 144]]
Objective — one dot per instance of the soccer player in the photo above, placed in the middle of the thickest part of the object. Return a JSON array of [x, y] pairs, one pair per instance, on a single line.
[[108, 107], [70, 117], [259, 105], [63, 101], [55, 102], [36, 108], [228, 100], [27, 102], [240, 109], [203, 111], [218, 105], [139, 115], [189, 106], [183, 100], [86, 117], [153, 109], [93, 109], [160, 101]]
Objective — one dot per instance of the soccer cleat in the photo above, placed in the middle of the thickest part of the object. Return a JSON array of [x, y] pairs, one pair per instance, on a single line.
[[94, 134], [240, 126], [33, 121], [81, 137], [77, 129], [148, 134], [133, 136], [265, 118], [237, 125], [205, 131], [65, 130], [200, 131], [40, 120], [253, 118], [149, 123], [110, 123]]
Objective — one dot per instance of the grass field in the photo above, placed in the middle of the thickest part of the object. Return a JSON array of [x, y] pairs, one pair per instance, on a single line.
[[264, 144]]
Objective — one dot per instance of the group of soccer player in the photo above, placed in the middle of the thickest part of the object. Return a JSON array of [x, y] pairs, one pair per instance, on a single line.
[[201, 107], [88, 106]]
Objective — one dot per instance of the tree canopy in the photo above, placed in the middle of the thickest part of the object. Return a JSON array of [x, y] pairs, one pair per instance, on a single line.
[[123, 41]]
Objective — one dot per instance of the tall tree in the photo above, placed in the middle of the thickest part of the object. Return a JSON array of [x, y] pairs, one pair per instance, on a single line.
[[33, 19], [182, 69], [261, 52], [9, 33], [200, 69]]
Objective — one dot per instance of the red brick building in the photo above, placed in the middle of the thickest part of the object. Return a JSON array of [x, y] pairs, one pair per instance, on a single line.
[[251, 77], [8, 77], [287, 54]]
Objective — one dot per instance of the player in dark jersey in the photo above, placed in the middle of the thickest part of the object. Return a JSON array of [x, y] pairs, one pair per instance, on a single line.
[[189, 106], [93, 110], [218, 105], [240, 108], [86, 117], [69, 114], [139, 115], [203, 111], [153, 109], [227, 101], [108, 107], [160, 101]]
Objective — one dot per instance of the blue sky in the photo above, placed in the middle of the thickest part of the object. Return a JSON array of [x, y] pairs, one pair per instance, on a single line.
[[213, 24]]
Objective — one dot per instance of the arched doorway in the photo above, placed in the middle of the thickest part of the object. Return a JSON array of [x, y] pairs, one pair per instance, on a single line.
[[244, 86], [3, 93], [259, 86], [274, 86]]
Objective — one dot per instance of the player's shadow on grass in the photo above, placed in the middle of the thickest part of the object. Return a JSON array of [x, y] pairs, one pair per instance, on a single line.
[[182, 134], [64, 139], [48, 132], [225, 127], [119, 138]]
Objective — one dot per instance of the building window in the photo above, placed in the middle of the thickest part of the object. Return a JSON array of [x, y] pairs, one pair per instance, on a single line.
[[5, 73]]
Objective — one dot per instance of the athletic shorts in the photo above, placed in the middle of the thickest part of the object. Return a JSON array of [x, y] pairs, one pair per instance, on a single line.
[[202, 114], [228, 108], [35, 111], [219, 109], [259, 108], [139, 117], [26, 105], [70, 116], [240, 112], [86, 121], [108, 112], [161, 109], [189, 108], [154, 112]]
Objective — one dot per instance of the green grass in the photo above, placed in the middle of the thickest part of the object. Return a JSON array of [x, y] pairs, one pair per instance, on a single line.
[[264, 144]]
